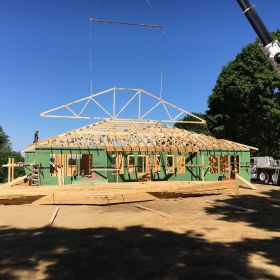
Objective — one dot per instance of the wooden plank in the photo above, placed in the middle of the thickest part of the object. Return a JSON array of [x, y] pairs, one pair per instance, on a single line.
[[110, 148], [247, 183], [54, 216], [152, 210], [13, 169], [202, 169], [18, 164], [16, 181], [9, 170]]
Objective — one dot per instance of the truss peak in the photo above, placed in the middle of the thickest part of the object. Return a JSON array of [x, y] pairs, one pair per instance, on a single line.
[[114, 103]]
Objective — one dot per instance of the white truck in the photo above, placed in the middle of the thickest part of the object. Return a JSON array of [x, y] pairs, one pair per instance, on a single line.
[[265, 170]]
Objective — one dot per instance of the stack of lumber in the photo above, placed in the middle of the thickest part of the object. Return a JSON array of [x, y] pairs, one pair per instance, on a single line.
[[107, 194]]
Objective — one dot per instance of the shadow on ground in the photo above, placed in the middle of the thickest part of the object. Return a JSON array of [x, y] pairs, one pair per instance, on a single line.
[[267, 210], [131, 253]]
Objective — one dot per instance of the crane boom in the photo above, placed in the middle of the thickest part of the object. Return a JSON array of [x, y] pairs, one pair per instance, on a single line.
[[270, 47]]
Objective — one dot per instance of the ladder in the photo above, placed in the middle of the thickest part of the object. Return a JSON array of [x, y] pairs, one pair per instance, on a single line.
[[35, 176], [276, 176]]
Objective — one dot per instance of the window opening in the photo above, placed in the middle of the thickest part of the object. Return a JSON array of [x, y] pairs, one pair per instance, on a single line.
[[157, 164], [224, 164], [85, 165], [72, 165], [131, 163], [56, 164], [213, 164], [141, 164], [52, 165], [234, 164], [170, 164]]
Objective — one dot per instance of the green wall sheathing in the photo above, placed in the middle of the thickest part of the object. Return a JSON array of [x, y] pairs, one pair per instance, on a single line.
[[162, 175], [29, 158], [191, 174], [103, 160], [244, 163], [42, 158]]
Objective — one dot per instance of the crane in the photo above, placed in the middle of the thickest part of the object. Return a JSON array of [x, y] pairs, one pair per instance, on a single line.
[[270, 47]]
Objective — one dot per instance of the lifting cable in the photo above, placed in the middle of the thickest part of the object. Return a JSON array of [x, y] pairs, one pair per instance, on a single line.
[[162, 61], [127, 23], [162, 51], [91, 44], [149, 4], [94, 20], [91, 56]]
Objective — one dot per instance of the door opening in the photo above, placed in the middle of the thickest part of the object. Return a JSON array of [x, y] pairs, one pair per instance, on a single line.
[[86, 165]]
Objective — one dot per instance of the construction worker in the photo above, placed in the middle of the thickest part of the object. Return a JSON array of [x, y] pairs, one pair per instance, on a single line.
[[36, 136], [52, 167]]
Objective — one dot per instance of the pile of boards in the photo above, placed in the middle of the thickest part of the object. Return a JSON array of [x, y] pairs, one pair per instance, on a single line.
[[106, 194]]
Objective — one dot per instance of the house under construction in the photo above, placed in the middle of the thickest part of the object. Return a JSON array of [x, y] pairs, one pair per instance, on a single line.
[[127, 150]]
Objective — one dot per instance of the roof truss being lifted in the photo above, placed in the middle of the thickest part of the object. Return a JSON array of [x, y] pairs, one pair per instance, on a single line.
[[114, 113]]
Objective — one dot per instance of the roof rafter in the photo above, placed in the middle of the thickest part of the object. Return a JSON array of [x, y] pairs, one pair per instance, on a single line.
[[135, 136]]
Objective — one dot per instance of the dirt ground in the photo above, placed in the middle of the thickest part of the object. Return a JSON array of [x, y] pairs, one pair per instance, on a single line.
[[205, 238]]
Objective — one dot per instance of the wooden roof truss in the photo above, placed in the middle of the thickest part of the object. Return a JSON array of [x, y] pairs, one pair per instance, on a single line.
[[122, 135], [113, 113]]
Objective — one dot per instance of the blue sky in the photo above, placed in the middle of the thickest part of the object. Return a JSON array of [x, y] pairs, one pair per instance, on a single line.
[[45, 54]]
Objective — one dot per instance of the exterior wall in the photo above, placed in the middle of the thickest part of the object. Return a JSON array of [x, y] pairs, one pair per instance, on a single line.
[[103, 160], [244, 163], [191, 174], [162, 175], [42, 158], [29, 158]]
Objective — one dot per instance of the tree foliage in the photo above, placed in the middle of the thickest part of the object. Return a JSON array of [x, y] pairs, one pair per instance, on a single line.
[[198, 128], [6, 152], [245, 103]]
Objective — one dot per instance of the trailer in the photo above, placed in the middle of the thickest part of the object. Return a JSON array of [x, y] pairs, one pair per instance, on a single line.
[[265, 170]]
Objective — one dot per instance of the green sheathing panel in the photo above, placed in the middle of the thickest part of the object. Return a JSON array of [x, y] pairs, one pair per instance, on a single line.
[[42, 158], [245, 171], [244, 163], [99, 162], [103, 160], [191, 174], [29, 158]]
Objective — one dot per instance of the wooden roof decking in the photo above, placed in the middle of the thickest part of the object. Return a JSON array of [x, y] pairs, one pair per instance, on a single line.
[[131, 135]]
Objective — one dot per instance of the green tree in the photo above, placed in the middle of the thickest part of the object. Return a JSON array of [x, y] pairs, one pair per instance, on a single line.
[[198, 128], [6, 152], [245, 103]]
